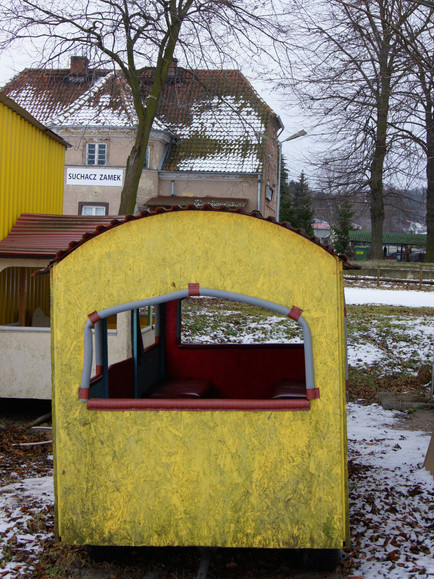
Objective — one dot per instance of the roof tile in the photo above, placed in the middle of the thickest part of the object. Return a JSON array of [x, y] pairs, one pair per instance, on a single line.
[[216, 115], [48, 236]]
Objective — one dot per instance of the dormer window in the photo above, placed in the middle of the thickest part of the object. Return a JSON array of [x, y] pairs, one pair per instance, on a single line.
[[96, 154]]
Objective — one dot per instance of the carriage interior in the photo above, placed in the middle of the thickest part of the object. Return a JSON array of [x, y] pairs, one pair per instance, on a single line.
[[173, 369]]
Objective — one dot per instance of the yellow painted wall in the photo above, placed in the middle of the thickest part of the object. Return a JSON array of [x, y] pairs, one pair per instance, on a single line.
[[31, 169], [235, 479]]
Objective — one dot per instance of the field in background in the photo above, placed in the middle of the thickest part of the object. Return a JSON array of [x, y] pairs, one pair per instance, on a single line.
[[389, 347]]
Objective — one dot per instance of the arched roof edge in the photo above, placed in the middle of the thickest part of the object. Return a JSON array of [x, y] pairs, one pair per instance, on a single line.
[[175, 208]]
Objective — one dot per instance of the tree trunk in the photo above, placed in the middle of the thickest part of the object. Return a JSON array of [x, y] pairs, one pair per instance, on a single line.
[[377, 219], [380, 147], [146, 115], [134, 168], [376, 185], [430, 188]]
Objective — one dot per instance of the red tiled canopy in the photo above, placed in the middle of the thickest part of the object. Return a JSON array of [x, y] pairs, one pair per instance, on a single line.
[[43, 236], [55, 236]]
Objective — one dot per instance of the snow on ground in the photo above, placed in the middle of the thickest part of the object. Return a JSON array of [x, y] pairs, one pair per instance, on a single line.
[[22, 503], [391, 508], [401, 343], [410, 298], [363, 354]]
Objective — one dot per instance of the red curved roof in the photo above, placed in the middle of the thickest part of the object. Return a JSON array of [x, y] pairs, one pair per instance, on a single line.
[[43, 236], [56, 236]]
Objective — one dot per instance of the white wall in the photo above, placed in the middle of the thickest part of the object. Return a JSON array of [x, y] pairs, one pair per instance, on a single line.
[[25, 370], [26, 362]]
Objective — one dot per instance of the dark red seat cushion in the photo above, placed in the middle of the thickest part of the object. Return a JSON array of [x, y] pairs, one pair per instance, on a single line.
[[182, 388], [289, 389]]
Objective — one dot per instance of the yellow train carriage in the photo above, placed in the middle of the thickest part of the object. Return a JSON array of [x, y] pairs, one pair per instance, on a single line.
[[199, 444]]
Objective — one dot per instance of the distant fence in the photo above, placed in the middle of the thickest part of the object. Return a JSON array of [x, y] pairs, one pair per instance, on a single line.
[[383, 273]]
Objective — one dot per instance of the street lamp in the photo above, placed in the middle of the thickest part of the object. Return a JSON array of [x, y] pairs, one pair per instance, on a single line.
[[301, 133]]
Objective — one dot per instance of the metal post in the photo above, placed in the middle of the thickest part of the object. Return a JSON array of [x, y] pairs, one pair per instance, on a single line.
[[207, 554], [432, 376], [135, 328], [23, 292], [105, 357]]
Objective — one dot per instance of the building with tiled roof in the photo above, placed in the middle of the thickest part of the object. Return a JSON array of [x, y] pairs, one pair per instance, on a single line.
[[213, 136]]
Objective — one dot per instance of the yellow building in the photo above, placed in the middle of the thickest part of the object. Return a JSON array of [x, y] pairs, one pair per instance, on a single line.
[[31, 181], [32, 162], [188, 444]]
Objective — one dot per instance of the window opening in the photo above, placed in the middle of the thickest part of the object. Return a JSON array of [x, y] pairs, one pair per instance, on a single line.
[[226, 374], [26, 298]]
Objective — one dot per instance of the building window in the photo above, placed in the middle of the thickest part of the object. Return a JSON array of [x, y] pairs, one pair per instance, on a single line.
[[93, 208], [96, 154]]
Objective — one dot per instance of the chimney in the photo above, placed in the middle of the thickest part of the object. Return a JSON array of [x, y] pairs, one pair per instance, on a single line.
[[79, 65], [172, 67]]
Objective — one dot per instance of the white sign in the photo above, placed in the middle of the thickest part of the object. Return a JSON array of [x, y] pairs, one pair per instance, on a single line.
[[96, 177]]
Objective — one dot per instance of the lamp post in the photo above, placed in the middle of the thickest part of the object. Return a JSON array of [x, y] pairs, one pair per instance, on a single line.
[[301, 133]]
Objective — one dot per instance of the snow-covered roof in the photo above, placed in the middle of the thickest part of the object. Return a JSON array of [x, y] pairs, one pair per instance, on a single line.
[[219, 121]]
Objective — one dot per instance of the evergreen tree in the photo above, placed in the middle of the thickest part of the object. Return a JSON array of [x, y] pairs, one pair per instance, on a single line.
[[343, 222], [285, 212], [296, 205]]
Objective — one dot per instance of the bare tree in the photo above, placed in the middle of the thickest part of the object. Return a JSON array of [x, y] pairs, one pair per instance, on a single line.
[[135, 34], [417, 99], [354, 67]]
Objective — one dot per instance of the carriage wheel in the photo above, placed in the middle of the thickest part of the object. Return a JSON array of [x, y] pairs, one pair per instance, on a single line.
[[321, 559]]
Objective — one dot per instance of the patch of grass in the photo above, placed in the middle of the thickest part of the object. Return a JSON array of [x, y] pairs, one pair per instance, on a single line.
[[400, 337], [366, 383], [366, 317], [215, 320], [55, 571], [38, 522]]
